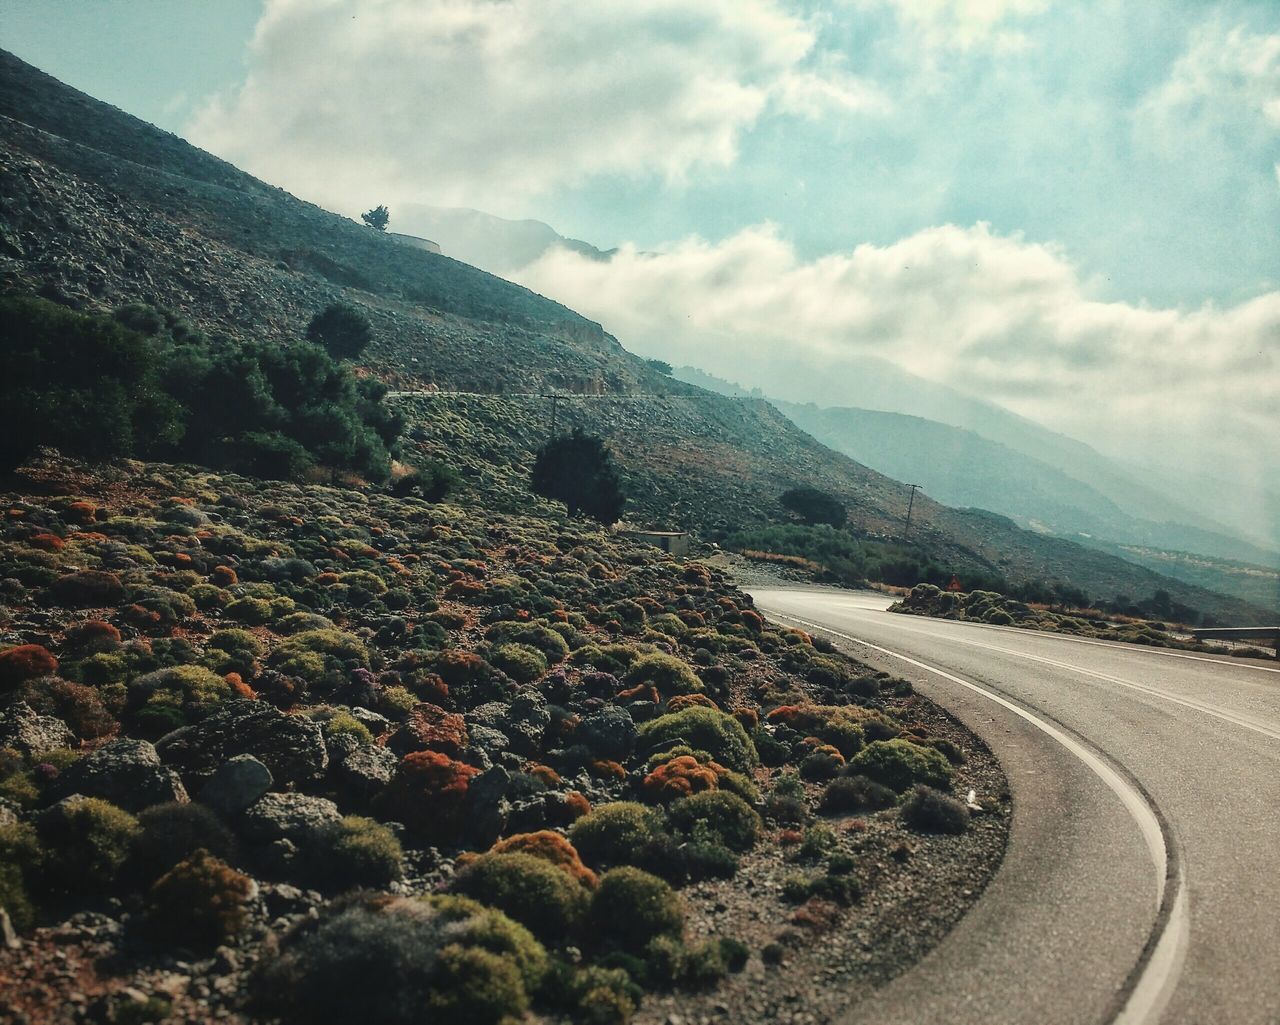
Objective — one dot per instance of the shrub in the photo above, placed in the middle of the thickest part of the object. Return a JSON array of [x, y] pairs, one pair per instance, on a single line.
[[25, 662], [898, 764], [703, 729], [578, 470], [630, 908], [822, 762], [666, 672], [88, 588], [528, 889], [613, 833], [394, 962], [931, 811], [19, 862], [724, 816], [681, 776], [199, 902], [521, 662], [80, 707], [429, 795], [551, 847], [91, 636], [86, 842], [549, 642], [357, 852], [493, 931], [170, 832], [855, 793]]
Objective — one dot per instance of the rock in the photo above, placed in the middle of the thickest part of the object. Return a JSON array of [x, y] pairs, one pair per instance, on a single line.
[[125, 772], [8, 936], [296, 818], [237, 783], [642, 711], [365, 770], [375, 721], [291, 747], [489, 807], [23, 728], [492, 742], [609, 734]]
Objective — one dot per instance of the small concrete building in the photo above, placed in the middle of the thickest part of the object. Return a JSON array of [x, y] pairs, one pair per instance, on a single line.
[[674, 541]]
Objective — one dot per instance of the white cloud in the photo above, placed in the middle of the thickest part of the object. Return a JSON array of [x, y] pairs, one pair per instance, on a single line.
[[475, 101], [966, 24], [1226, 87], [1000, 317]]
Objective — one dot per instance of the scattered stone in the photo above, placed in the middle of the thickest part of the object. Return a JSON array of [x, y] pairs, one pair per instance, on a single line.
[[125, 772], [294, 817], [290, 746], [23, 728], [237, 784]]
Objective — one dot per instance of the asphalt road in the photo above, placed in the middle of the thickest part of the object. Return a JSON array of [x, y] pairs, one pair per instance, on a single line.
[[1142, 878]]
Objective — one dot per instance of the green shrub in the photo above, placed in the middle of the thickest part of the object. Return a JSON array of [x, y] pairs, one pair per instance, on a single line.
[[521, 662], [899, 764], [931, 811], [703, 729], [493, 931], [200, 902], [20, 859], [397, 962], [667, 673], [357, 852], [855, 793], [612, 833], [630, 908], [717, 814], [551, 644], [170, 832], [530, 890], [86, 842]]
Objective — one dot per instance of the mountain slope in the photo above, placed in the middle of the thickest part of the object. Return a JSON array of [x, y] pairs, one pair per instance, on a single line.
[[102, 209]]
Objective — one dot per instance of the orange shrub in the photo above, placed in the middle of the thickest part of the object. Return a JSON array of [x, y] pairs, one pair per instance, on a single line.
[[603, 769], [239, 688], [47, 542], [25, 662], [429, 795], [81, 512], [686, 700], [224, 576], [550, 847], [682, 776]]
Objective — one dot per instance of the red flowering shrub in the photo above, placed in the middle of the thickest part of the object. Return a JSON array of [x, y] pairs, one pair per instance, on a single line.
[[429, 795], [239, 688], [91, 636], [545, 773], [604, 769], [430, 728], [25, 662], [201, 901], [223, 576], [752, 620], [749, 717], [88, 588], [571, 807], [80, 512], [459, 668], [47, 542], [550, 847], [682, 776]]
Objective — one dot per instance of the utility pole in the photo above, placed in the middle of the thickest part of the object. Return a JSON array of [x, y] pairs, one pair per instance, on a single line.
[[555, 410], [910, 505]]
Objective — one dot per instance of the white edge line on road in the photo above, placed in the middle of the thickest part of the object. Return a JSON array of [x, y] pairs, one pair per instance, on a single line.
[[1153, 979]]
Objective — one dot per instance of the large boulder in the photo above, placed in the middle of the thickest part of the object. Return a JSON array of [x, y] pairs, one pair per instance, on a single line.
[[363, 770], [294, 817], [609, 734], [237, 784], [25, 729], [125, 772], [291, 747]]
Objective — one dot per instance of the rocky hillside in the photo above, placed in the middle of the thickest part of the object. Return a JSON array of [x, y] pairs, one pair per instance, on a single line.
[[102, 209]]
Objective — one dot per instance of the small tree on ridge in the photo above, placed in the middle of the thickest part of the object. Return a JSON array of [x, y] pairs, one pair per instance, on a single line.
[[578, 470]]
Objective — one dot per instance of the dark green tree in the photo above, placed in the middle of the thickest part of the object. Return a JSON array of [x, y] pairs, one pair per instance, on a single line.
[[341, 330], [814, 506], [377, 218], [660, 365], [578, 470]]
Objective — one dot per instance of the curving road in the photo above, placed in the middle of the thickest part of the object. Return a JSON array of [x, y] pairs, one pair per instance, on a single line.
[[1142, 878]]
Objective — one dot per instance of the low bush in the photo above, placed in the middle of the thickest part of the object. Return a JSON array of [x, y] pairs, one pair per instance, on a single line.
[[613, 833], [25, 662], [666, 672], [86, 842], [717, 815], [553, 848], [899, 764], [356, 851], [521, 662], [531, 890], [429, 795], [20, 858], [931, 811], [631, 908], [702, 729], [855, 794], [170, 832], [200, 902]]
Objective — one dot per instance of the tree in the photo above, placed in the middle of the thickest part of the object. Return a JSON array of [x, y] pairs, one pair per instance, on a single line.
[[814, 506], [377, 217], [578, 470], [660, 365], [341, 330]]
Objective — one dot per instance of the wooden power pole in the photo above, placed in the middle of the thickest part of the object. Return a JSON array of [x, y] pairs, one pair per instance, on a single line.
[[910, 505]]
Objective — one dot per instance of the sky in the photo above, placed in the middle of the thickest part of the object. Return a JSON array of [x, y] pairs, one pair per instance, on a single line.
[[1066, 207]]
